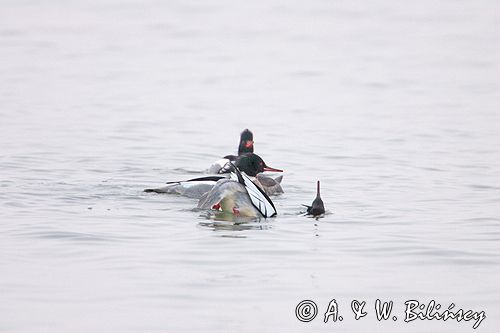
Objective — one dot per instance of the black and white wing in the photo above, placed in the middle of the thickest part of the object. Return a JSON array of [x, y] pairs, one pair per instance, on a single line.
[[259, 199]]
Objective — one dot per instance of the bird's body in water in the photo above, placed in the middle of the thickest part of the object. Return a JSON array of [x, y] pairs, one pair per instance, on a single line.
[[238, 195], [251, 164], [229, 196], [317, 207]]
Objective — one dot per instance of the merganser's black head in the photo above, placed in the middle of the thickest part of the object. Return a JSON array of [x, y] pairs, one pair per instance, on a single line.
[[252, 164], [246, 142], [317, 207]]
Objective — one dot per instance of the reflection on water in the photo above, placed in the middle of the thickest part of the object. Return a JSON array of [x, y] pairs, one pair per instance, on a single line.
[[219, 221]]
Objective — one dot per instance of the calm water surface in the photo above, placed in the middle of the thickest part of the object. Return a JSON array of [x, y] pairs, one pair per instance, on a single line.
[[393, 106]]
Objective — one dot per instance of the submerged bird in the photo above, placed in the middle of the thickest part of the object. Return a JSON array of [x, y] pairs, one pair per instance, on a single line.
[[245, 146], [317, 207], [238, 195], [251, 164]]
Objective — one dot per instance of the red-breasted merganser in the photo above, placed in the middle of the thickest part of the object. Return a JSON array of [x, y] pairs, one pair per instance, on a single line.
[[251, 164]]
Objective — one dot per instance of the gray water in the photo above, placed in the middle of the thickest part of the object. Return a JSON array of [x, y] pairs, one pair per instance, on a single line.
[[393, 105]]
